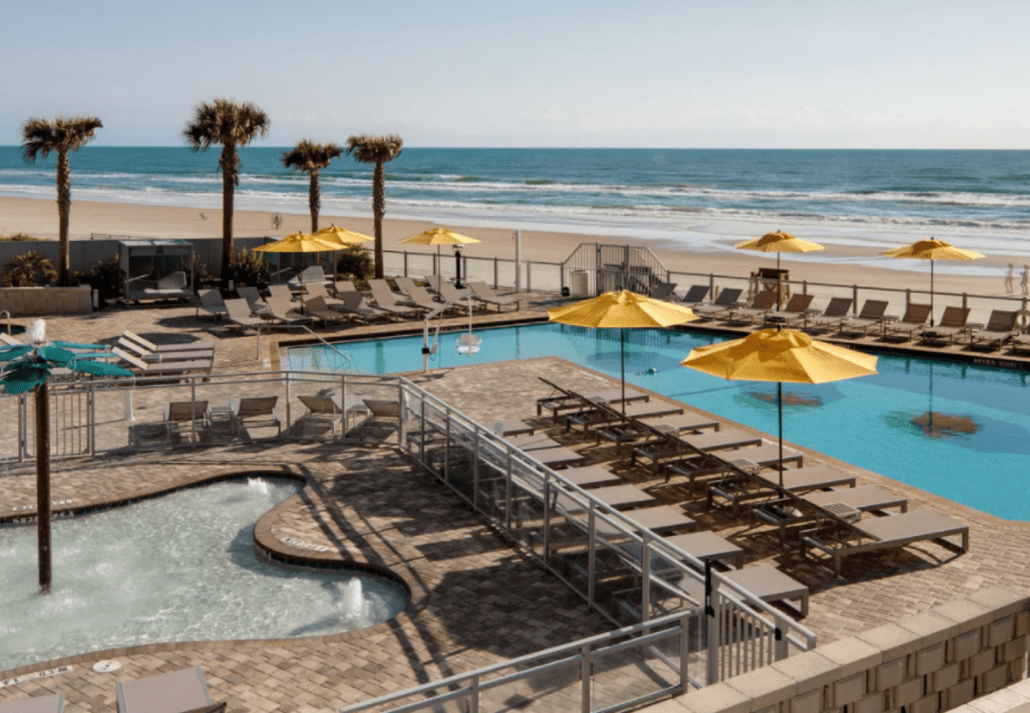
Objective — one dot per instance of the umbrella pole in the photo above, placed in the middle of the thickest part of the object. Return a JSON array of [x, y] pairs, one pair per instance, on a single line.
[[622, 349], [931, 292], [779, 408]]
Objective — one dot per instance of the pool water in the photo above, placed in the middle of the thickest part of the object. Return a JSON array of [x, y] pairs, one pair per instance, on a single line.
[[182, 567], [958, 430]]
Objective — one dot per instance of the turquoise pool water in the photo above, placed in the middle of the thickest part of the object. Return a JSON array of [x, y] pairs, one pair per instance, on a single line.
[[975, 449]]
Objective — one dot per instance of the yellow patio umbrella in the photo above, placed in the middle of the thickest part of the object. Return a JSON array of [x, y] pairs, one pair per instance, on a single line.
[[932, 249], [776, 243], [344, 237], [780, 355], [298, 243], [442, 236], [622, 310]]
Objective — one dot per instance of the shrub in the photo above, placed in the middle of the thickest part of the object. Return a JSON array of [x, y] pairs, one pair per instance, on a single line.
[[106, 277], [20, 238], [31, 269], [249, 269], [355, 262], [201, 277]]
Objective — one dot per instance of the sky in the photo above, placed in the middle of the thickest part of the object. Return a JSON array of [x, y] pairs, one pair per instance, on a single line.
[[527, 73]]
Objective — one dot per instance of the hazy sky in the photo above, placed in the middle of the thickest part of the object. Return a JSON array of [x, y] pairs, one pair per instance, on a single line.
[[686, 73]]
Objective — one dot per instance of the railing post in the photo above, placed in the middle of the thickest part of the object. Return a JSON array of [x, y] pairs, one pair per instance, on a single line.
[[854, 300], [529, 276], [474, 695], [507, 494], [547, 516], [402, 430], [496, 286], [965, 300], [591, 554], [645, 576], [804, 287], [92, 432], [193, 409], [684, 652], [711, 286], [23, 427], [584, 672], [289, 423], [475, 468], [447, 447], [712, 664], [406, 263], [908, 298], [781, 640]]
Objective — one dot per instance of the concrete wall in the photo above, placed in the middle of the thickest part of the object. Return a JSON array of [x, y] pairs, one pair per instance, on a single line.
[[32, 301], [933, 661]]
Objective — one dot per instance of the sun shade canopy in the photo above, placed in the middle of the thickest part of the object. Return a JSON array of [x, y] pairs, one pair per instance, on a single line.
[[439, 236], [779, 242], [622, 309], [298, 243], [933, 249]]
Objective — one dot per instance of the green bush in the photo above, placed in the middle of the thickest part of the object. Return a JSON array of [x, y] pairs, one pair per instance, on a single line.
[[106, 277], [355, 262], [201, 277], [249, 269], [31, 269], [19, 238]]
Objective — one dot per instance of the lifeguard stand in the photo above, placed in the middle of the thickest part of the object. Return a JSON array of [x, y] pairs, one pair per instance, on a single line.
[[770, 279]]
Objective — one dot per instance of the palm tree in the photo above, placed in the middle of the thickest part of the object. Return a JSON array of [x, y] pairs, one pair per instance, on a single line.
[[231, 124], [312, 158], [60, 135], [377, 150]]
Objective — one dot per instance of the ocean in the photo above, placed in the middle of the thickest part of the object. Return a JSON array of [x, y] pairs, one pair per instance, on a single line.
[[875, 198]]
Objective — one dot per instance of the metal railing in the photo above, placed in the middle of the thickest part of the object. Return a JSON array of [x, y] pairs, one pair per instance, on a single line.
[[496, 271]]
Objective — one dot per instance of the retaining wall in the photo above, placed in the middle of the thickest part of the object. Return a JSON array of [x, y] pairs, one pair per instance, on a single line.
[[32, 301]]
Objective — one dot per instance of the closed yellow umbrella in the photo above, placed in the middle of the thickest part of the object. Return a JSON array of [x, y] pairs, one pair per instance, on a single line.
[[442, 236], [932, 249], [780, 355], [776, 243], [622, 310]]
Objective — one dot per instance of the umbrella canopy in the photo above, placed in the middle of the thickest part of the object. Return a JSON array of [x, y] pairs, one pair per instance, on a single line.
[[623, 309], [780, 355], [298, 243], [779, 242], [932, 249], [341, 236], [438, 236]]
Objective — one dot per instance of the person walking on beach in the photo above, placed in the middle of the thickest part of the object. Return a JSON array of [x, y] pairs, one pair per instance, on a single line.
[[1025, 279], [1009, 277]]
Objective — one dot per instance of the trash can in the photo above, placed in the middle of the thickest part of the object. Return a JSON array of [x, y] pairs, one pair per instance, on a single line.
[[579, 283]]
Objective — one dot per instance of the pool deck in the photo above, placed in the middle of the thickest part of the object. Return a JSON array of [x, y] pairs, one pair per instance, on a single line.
[[476, 600]]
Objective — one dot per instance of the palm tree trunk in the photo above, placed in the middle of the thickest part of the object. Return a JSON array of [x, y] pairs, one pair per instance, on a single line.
[[64, 209], [314, 200], [228, 163], [43, 486], [378, 210]]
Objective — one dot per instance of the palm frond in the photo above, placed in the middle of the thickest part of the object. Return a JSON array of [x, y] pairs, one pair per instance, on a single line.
[[310, 157], [366, 148], [225, 122], [63, 134]]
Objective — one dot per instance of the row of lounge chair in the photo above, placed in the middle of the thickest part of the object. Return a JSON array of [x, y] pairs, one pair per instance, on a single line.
[[147, 358], [819, 494], [182, 691], [1001, 328]]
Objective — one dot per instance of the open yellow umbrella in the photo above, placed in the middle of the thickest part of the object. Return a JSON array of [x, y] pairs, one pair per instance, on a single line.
[[779, 242], [780, 355], [298, 243], [442, 236], [342, 236], [623, 310], [932, 249]]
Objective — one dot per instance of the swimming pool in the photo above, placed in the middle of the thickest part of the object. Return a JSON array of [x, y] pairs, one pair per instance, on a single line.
[[958, 430], [182, 567]]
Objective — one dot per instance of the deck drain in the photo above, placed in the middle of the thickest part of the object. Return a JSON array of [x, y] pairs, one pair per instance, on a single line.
[[106, 666], [305, 545]]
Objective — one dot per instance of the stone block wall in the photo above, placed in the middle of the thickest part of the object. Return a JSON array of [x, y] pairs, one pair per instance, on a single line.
[[34, 301], [926, 663]]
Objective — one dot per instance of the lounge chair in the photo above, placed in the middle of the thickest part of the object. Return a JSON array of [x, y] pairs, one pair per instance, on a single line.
[[316, 308], [695, 295], [659, 519], [322, 409], [54, 703], [831, 317], [313, 274], [185, 416], [254, 300], [281, 291], [734, 489], [340, 286], [707, 546], [589, 418], [762, 305], [1020, 344], [175, 366], [165, 356], [379, 409], [794, 311], [450, 293], [770, 585], [183, 691], [870, 316], [212, 303], [485, 294], [422, 299], [241, 316], [389, 301], [911, 322], [952, 325], [866, 498], [199, 345], [889, 532], [1000, 328], [636, 428], [257, 412], [661, 450], [725, 302], [663, 291], [283, 311], [708, 464], [318, 290], [354, 306], [571, 402]]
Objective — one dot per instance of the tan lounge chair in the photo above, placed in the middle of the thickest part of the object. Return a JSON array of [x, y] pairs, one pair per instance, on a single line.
[[422, 299], [241, 317], [770, 585], [865, 498], [316, 308], [283, 311], [911, 322], [590, 418], [831, 317], [725, 302], [354, 306], [254, 301], [199, 345], [663, 291], [485, 294], [314, 290], [185, 416], [183, 691], [165, 355], [1000, 328], [257, 412], [211, 302], [175, 366], [54, 703], [890, 532], [282, 291], [694, 296], [322, 409], [870, 316], [762, 304], [792, 313], [952, 325]]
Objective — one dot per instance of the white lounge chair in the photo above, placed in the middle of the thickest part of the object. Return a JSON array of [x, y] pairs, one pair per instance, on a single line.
[[183, 691]]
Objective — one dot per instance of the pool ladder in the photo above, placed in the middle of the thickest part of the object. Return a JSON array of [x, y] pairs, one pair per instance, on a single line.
[[348, 363]]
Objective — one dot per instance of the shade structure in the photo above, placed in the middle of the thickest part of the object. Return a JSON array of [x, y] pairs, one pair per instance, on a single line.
[[780, 355], [933, 249], [438, 237], [779, 242], [622, 310], [342, 236], [298, 243]]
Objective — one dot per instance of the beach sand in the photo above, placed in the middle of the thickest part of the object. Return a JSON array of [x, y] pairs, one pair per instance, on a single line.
[[837, 263]]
